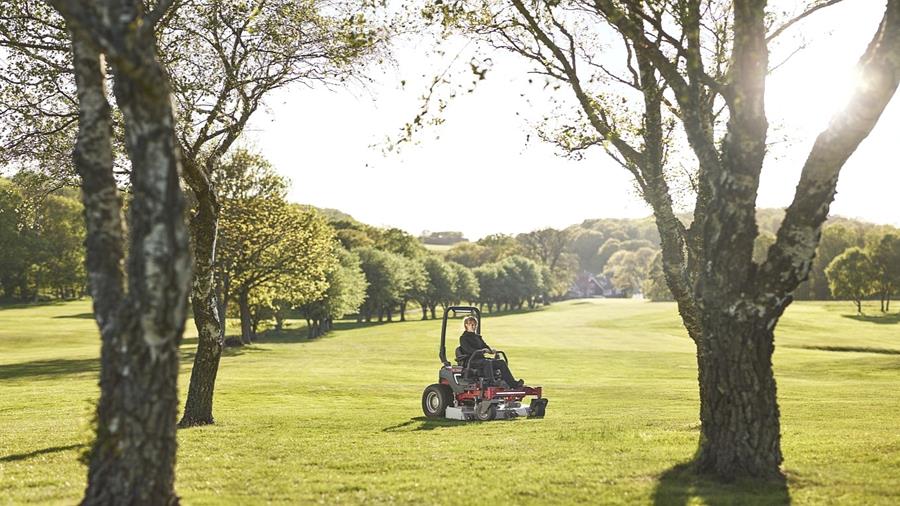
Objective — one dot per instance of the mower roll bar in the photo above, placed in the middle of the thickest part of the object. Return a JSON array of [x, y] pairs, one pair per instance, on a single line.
[[471, 310]]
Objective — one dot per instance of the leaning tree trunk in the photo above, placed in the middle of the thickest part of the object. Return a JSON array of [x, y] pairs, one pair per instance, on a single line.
[[207, 318], [133, 456]]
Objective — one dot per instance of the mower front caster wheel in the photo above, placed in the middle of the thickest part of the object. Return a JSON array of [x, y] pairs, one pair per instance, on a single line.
[[485, 411], [435, 400]]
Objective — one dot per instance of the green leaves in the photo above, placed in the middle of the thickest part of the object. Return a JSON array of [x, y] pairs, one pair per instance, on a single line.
[[276, 249], [852, 275]]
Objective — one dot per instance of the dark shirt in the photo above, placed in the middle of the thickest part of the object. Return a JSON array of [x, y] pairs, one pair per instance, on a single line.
[[471, 342]]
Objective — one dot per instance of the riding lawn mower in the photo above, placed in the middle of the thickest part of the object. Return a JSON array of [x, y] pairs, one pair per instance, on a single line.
[[464, 392]]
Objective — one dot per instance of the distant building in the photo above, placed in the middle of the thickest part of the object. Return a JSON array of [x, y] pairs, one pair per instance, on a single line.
[[445, 238], [592, 285]]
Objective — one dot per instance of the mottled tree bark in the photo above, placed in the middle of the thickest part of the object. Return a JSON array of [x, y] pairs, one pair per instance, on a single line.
[[209, 320], [133, 456]]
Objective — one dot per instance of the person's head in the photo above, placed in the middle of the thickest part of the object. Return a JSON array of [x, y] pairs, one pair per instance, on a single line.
[[470, 323]]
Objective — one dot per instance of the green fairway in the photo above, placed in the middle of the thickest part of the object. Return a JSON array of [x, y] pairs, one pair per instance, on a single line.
[[338, 420]]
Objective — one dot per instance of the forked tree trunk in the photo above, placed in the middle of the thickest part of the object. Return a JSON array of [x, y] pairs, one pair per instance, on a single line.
[[133, 456]]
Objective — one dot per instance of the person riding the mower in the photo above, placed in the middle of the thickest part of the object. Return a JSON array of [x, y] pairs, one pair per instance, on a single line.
[[470, 343]]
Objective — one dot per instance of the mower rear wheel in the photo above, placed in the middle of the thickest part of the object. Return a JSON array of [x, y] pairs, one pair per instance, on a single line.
[[485, 411], [435, 400]]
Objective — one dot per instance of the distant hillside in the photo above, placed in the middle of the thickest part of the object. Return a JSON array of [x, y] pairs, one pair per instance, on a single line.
[[334, 214], [767, 219]]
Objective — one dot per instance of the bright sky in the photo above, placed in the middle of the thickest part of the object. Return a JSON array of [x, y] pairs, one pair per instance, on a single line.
[[481, 176]]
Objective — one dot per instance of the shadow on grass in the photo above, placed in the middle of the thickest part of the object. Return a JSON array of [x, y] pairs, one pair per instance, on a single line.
[[681, 485], [80, 316], [300, 334], [54, 368], [26, 305], [284, 336], [423, 423], [38, 369], [850, 349], [884, 319], [53, 449]]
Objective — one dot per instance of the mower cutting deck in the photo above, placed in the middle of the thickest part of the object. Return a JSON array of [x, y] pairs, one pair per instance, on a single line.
[[463, 393]]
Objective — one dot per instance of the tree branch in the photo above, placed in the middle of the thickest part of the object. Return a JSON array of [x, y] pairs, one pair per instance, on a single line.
[[789, 259]]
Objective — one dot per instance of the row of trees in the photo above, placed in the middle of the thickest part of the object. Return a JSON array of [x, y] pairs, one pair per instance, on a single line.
[[276, 259]]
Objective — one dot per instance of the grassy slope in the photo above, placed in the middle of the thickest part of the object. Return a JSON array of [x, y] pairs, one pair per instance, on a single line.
[[338, 420]]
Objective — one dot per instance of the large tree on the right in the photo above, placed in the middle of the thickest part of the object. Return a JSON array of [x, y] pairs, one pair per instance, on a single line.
[[697, 69]]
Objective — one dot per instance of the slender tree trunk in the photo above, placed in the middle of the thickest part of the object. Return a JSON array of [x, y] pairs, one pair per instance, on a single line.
[[207, 312], [226, 297], [424, 311], [244, 304]]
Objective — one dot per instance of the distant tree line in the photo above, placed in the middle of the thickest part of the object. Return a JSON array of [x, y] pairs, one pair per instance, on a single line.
[[41, 242], [626, 253], [871, 271], [442, 238]]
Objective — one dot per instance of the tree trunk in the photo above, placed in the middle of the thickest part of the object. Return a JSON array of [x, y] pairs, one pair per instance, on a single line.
[[208, 315], [226, 294], [244, 305], [433, 307], [424, 312], [133, 456], [403, 311], [740, 431]]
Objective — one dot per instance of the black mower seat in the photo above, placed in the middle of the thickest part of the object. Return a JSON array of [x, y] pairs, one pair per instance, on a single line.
[[461, 356]]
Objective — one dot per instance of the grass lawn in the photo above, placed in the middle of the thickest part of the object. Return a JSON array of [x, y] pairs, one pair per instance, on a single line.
[[338, 420]]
